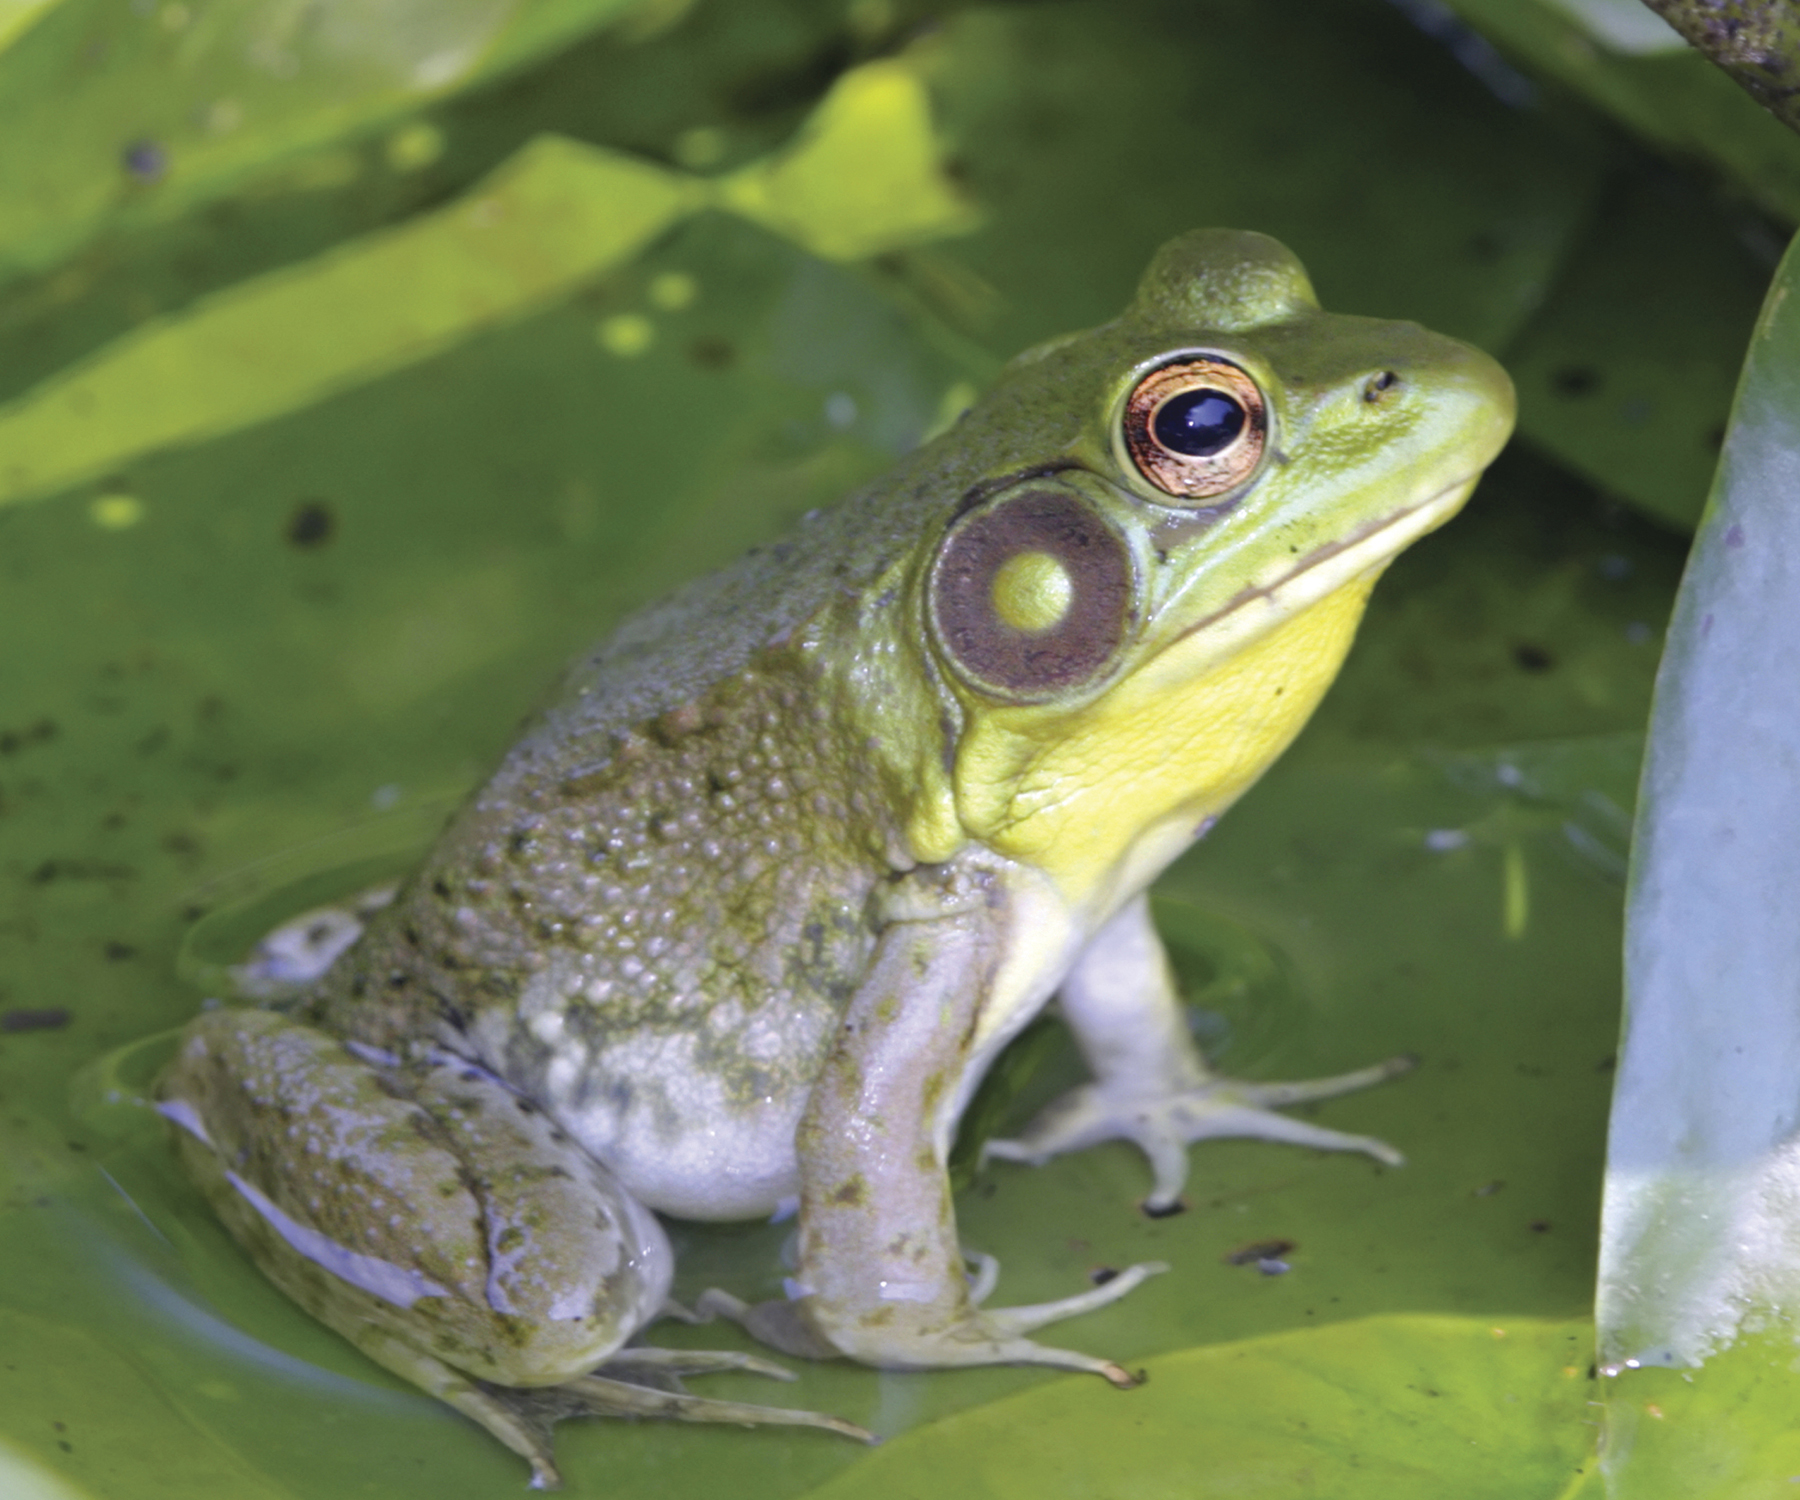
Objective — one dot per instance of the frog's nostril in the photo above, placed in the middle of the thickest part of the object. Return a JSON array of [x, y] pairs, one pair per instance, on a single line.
[[1378, 386]]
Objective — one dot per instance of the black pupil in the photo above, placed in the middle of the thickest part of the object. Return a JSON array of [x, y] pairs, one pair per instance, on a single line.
[[1198, 423]]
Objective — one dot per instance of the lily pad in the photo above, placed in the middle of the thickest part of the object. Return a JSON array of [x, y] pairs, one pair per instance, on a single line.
[[123, 114], [333, 615], [1383, 1407]]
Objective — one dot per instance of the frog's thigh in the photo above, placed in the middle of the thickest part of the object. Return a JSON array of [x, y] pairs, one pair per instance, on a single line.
[[430, 1211]]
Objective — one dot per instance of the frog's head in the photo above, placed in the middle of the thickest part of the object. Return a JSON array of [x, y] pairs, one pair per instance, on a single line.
[[1159, 573]]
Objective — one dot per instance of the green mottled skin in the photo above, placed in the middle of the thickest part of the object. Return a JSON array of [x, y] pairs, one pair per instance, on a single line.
[[746, 913]]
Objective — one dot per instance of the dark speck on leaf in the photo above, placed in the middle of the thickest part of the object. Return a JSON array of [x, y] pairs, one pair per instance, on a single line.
[[14, 740], [1540, 1226], [1575, 380], [117, 952], [311, 524], [79, 869], [1100, 1275], [146, 161], [1257, 1251], [52, 1019], [711, 352], [1530, 658]]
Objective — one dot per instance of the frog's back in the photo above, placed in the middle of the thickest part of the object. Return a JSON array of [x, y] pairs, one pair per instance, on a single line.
[[651, 917]]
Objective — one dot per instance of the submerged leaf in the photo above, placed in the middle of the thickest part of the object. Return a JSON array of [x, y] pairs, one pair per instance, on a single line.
[[137, 113], [557, 213], [862, 178]]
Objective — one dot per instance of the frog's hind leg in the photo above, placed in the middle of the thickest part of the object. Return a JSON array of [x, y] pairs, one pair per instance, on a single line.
[[603, 1396], [1152, 1087], [524, 1418], [636, 1383], [521, 1419], [644, 1364], [442, 1224]]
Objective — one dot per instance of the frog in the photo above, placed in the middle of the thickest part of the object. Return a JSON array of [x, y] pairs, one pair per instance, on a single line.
[[755, 900]]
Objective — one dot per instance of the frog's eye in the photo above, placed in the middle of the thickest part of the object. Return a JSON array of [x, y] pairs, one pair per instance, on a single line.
[[1031, 597], [1196, 428]]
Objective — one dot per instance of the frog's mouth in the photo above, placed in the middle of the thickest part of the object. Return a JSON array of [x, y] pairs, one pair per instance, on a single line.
[[1327, 569]]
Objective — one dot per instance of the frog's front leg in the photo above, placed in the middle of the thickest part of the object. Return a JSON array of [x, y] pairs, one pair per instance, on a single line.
[[881, 1277], [442, 1224], [1151, 1085]]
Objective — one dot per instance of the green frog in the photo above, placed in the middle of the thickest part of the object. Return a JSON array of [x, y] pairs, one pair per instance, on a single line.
[[744, 916]]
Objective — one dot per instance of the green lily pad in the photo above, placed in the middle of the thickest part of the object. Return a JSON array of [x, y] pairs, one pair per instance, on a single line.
[[224, 653], [1726, 1429], [133, 114], [555, 215], [1382, 1407]]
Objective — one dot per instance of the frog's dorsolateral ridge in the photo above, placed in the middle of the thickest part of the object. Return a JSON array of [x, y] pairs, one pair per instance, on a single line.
[[746, 914]]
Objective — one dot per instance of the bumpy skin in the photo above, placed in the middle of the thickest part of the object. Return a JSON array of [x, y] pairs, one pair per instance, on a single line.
[[654, 941], [747, 912]]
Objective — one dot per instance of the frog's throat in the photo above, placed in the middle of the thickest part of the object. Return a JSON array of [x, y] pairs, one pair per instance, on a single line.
[[1100, 800]]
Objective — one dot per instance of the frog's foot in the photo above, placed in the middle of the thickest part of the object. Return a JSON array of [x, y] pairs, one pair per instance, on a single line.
[[603, 1396], [984, 1336], [635, 1383], [1164, 1125]]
